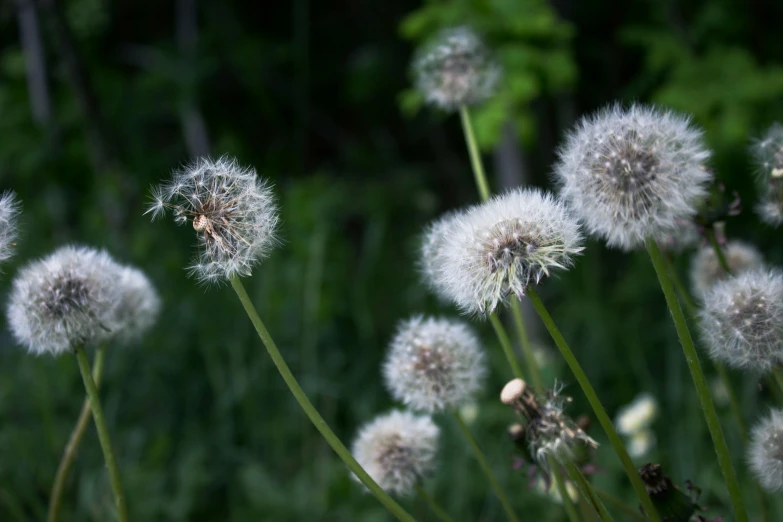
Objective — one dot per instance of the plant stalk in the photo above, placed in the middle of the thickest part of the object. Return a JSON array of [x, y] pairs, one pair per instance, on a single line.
[[562, 490], [527, 348], [475, 158], [587, 491], [505, 342], [433, 504]]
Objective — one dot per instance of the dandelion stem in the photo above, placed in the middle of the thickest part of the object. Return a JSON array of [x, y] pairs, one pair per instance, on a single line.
[[619, 504], [103, 434], [527, 348], [702, 390], [310, 410], [475, 158], [508, 350], [690, 306], [778, 379], [501, 494], [595, 403], [710, 232], [587, 491], [570, 510], [433, 504], [72, 447]]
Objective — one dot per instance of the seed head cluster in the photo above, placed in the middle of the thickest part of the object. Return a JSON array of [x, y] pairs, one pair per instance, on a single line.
[[706, 269], [768, 153], [765, 452], [742, 320], [397, 450], [434, 364], [138, 304], [9, 216], [233, 213], [633, 174], [479, 257], [455, 68]]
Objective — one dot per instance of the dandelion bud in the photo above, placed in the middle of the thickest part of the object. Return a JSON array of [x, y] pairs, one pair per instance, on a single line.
[[742, 320], [633, 174], [706, 269], [497, 249], [765, 452], [138, 305], [637, 415], [65, 299], [434, 364], [9, 214], [455, 68], [397, 450], [233, 213], [768, 153]]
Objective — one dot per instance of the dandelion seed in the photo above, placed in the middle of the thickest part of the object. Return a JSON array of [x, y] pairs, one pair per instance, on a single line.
[[706, 269], [9, 215], [434, 364], [455, 68], [633, 174], [482, 256], [397, 450], [232, 211], [765, 452], [742, 320], [138, 305], [638, 415], [768, 153], [65, 299]]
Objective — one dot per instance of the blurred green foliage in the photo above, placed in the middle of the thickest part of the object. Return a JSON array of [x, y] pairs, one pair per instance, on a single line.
[[309, 93]]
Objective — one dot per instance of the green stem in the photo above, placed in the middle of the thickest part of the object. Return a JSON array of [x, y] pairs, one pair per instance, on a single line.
[[573, 516], [596, 405], [475, 158], [527, 348], [778, 379], [619, 504], [710, 232], [690, 306], [432, 503], [501, 494], [310, 410], [55, 500], [103, 434], [506, 344], [702, 390], [587, 491]]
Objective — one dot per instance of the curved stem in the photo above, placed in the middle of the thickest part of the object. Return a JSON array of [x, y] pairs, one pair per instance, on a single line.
[[55, 501], [501, 494], [103, 434], [475, 158], [619, 504], [596, 405], [587, 491], [568, 505], [702, 390], [318, 421], [433, 504], [527, 348], [508, 350], [710, 232]]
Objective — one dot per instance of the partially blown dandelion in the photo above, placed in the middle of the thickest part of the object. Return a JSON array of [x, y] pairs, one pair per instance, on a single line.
[[489, 252], [9, 214], [742, 320], [455, 68], [397, 450], [765, 452], [633, 174], [65, 299], [232, 211], [706, 269], [434, 364], [768, 153]]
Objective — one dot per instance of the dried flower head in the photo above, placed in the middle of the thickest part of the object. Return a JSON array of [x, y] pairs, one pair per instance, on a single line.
[[434, 364], [633, 174], [489, 252], [67, 298], [455, 68], [397, 450], [138, 305], [768, 153], [9, 215], [706, 270], [765, 452], [638, 415], [742, 320], [232, 211]]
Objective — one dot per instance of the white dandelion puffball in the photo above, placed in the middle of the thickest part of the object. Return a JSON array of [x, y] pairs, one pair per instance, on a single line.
[[497, 249], [397, 450], [768, 153], [232, 211], [138, 306], [742, 320], [9, 217], [67, 298], [706, 270], [633, 174], [454, 68], [431, 250], [434, 364], [765, 452], [685, 235], [638, 415]]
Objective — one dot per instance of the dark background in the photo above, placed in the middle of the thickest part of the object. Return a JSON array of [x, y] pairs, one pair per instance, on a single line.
[[101, 99]]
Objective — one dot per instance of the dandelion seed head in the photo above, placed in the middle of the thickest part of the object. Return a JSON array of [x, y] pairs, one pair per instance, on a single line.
[[434, 364], [768, 155], [233, 213], [633, 174], [742, 320], [397, 450], [706, 269], [9, 224], [638, 415], [455, 68], [765, 452], [138, 306], [67, 298]]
